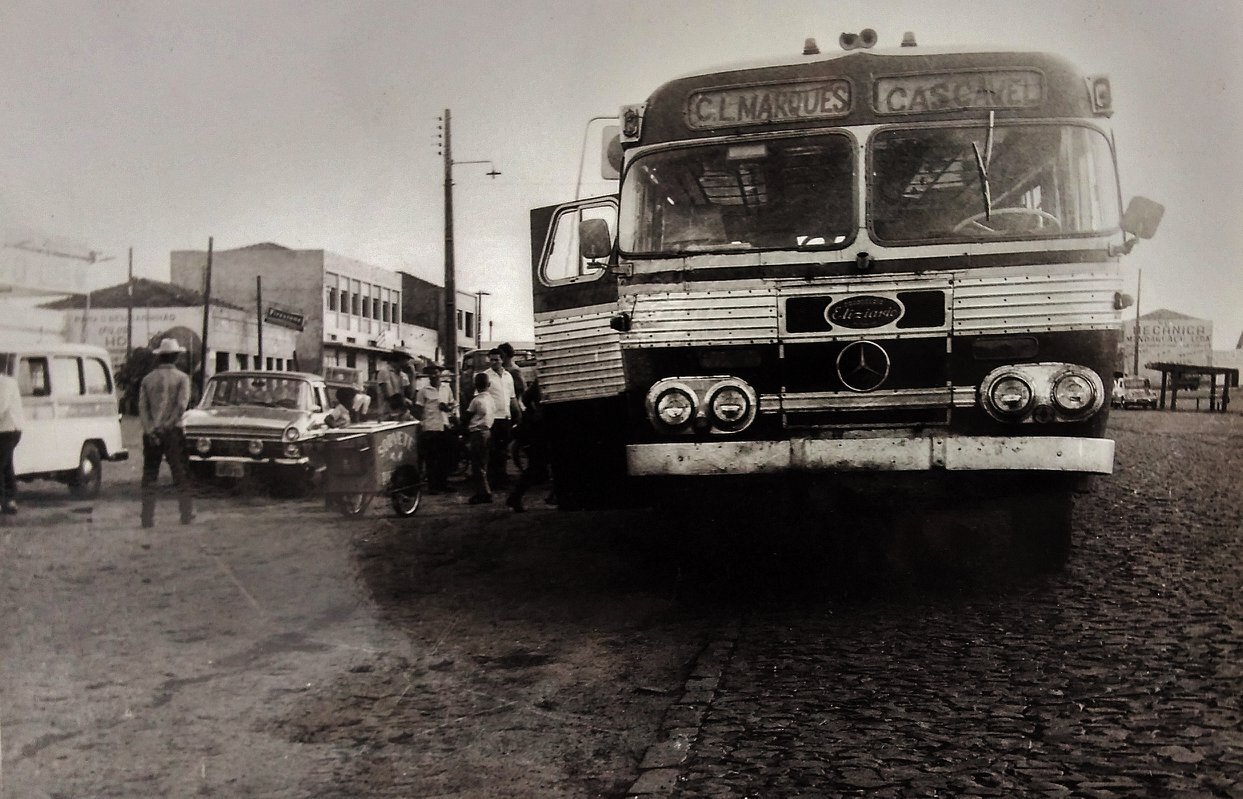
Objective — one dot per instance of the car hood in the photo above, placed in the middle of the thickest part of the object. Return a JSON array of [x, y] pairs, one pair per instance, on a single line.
[[245, 417]]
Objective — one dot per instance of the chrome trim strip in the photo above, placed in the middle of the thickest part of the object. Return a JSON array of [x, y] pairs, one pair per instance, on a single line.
[[957, 397], [949, 453]]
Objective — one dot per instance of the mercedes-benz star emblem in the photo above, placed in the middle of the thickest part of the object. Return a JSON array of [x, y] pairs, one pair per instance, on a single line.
[[862, 365]]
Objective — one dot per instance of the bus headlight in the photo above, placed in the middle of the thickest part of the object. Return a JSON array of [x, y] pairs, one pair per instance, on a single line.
[[731, 405], [203, 445], [293, 451], [1073, 394], [674, 407], [254, 447], [1041, 393], [291, 434], [1009, 396]]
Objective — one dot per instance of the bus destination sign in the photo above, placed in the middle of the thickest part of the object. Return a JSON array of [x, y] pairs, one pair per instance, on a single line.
[[759, 105], [958, 91]]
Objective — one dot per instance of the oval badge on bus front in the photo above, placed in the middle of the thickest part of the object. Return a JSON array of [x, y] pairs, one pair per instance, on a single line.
[[863, 312]]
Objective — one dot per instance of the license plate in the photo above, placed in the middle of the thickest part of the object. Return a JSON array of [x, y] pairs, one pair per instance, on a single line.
[[230, 469]]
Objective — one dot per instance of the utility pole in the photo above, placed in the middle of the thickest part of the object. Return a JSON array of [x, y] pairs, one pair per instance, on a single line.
[[450, 305], [450, 276], [479, 295], [129, 307], [259, 315], [206, 306], [1139, 282]]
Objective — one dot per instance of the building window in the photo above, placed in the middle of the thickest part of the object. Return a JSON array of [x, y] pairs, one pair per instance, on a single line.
[[375, 307], [461, 319], [469, 327], [332, 298], [350, 359], [356, 296], [243, 361], [222, 362]]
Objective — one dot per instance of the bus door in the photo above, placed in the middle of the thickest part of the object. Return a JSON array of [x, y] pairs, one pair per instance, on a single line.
[[578, 350], [578, 326]]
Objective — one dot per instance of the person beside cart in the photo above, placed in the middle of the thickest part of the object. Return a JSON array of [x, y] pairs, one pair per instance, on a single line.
[[506, 413], [396, 409], [479, 420], [342, 413], [434, 404], [163, 397]]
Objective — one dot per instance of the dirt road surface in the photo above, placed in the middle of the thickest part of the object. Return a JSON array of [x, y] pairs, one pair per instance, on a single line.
[[274, 649]]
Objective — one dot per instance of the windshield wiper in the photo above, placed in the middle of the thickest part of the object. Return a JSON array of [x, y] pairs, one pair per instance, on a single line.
[[982, 160]]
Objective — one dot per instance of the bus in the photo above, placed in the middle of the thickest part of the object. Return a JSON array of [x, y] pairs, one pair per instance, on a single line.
[[867, 266]]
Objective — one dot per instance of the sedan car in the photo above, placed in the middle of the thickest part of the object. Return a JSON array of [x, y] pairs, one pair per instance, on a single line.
[[259, 423]]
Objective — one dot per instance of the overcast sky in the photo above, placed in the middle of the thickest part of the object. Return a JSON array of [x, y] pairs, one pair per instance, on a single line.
[[155, 125]]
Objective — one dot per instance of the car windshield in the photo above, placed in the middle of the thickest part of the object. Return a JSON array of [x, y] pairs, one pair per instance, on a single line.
[[790, 193], [270, 392], [991, 181]]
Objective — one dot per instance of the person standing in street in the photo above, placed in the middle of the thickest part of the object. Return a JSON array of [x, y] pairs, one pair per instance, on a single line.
[[507, 360], [479, 424], [162, 398], [10, 433], [434, 403], [507, 412], [533, 438]]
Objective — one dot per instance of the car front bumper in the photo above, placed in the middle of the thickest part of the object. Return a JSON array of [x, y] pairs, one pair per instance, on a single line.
[[934, 453]]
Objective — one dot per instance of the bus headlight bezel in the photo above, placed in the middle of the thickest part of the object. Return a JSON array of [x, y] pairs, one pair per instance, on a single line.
[[704, 398], [1050, 386], [742, 394], [666, 400], [202, 445]]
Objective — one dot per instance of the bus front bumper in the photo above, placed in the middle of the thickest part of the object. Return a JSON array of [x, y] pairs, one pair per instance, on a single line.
[[936, 453]]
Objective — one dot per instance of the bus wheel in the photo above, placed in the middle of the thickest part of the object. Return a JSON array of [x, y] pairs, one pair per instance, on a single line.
[[1041, 524], [86, 479]]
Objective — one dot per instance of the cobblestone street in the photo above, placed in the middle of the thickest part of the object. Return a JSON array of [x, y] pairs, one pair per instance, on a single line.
[[1119, 677]]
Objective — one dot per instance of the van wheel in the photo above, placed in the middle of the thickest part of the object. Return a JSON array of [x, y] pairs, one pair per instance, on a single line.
[[89, 475]]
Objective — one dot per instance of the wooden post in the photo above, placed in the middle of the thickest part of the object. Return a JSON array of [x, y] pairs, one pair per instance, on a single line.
[[206, 306], [1165, 378], [259, 315]]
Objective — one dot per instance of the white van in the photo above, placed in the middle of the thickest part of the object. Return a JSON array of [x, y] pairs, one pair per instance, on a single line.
[[72, 423]]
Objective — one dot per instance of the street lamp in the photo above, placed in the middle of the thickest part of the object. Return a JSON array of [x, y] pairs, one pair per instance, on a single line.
[[450, 277], [479, 295]]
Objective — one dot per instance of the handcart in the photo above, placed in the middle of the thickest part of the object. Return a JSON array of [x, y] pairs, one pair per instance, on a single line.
[[370, 458]]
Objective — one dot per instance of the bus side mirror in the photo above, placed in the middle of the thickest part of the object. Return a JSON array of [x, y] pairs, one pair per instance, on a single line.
[[611, 149], [595, 239], [1142, 217]]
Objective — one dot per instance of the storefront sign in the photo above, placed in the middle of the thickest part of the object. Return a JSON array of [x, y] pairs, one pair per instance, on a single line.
[[955, 91], [279, 316], [759, 105]]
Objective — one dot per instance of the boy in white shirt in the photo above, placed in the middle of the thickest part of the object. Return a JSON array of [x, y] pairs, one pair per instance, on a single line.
[[479, 420]]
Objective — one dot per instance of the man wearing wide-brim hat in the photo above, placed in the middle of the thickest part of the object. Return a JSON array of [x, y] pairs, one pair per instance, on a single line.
[[163, 397]]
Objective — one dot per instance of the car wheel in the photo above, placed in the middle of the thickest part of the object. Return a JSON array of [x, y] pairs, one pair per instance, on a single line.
[[89, 475]]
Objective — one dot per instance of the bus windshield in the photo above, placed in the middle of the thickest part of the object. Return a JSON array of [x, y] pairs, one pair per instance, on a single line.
[[991, 182], [777, 193]]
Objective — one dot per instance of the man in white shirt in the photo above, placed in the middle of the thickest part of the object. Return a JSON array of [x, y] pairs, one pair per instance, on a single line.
[[435, 405], [507, 413]]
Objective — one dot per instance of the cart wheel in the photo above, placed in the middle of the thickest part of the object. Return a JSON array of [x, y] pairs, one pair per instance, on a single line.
[[406, 493], [353, 504]]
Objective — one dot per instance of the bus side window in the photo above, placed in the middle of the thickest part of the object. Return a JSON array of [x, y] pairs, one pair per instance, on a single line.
[[66, 376], [32, 377], [95, 376]]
